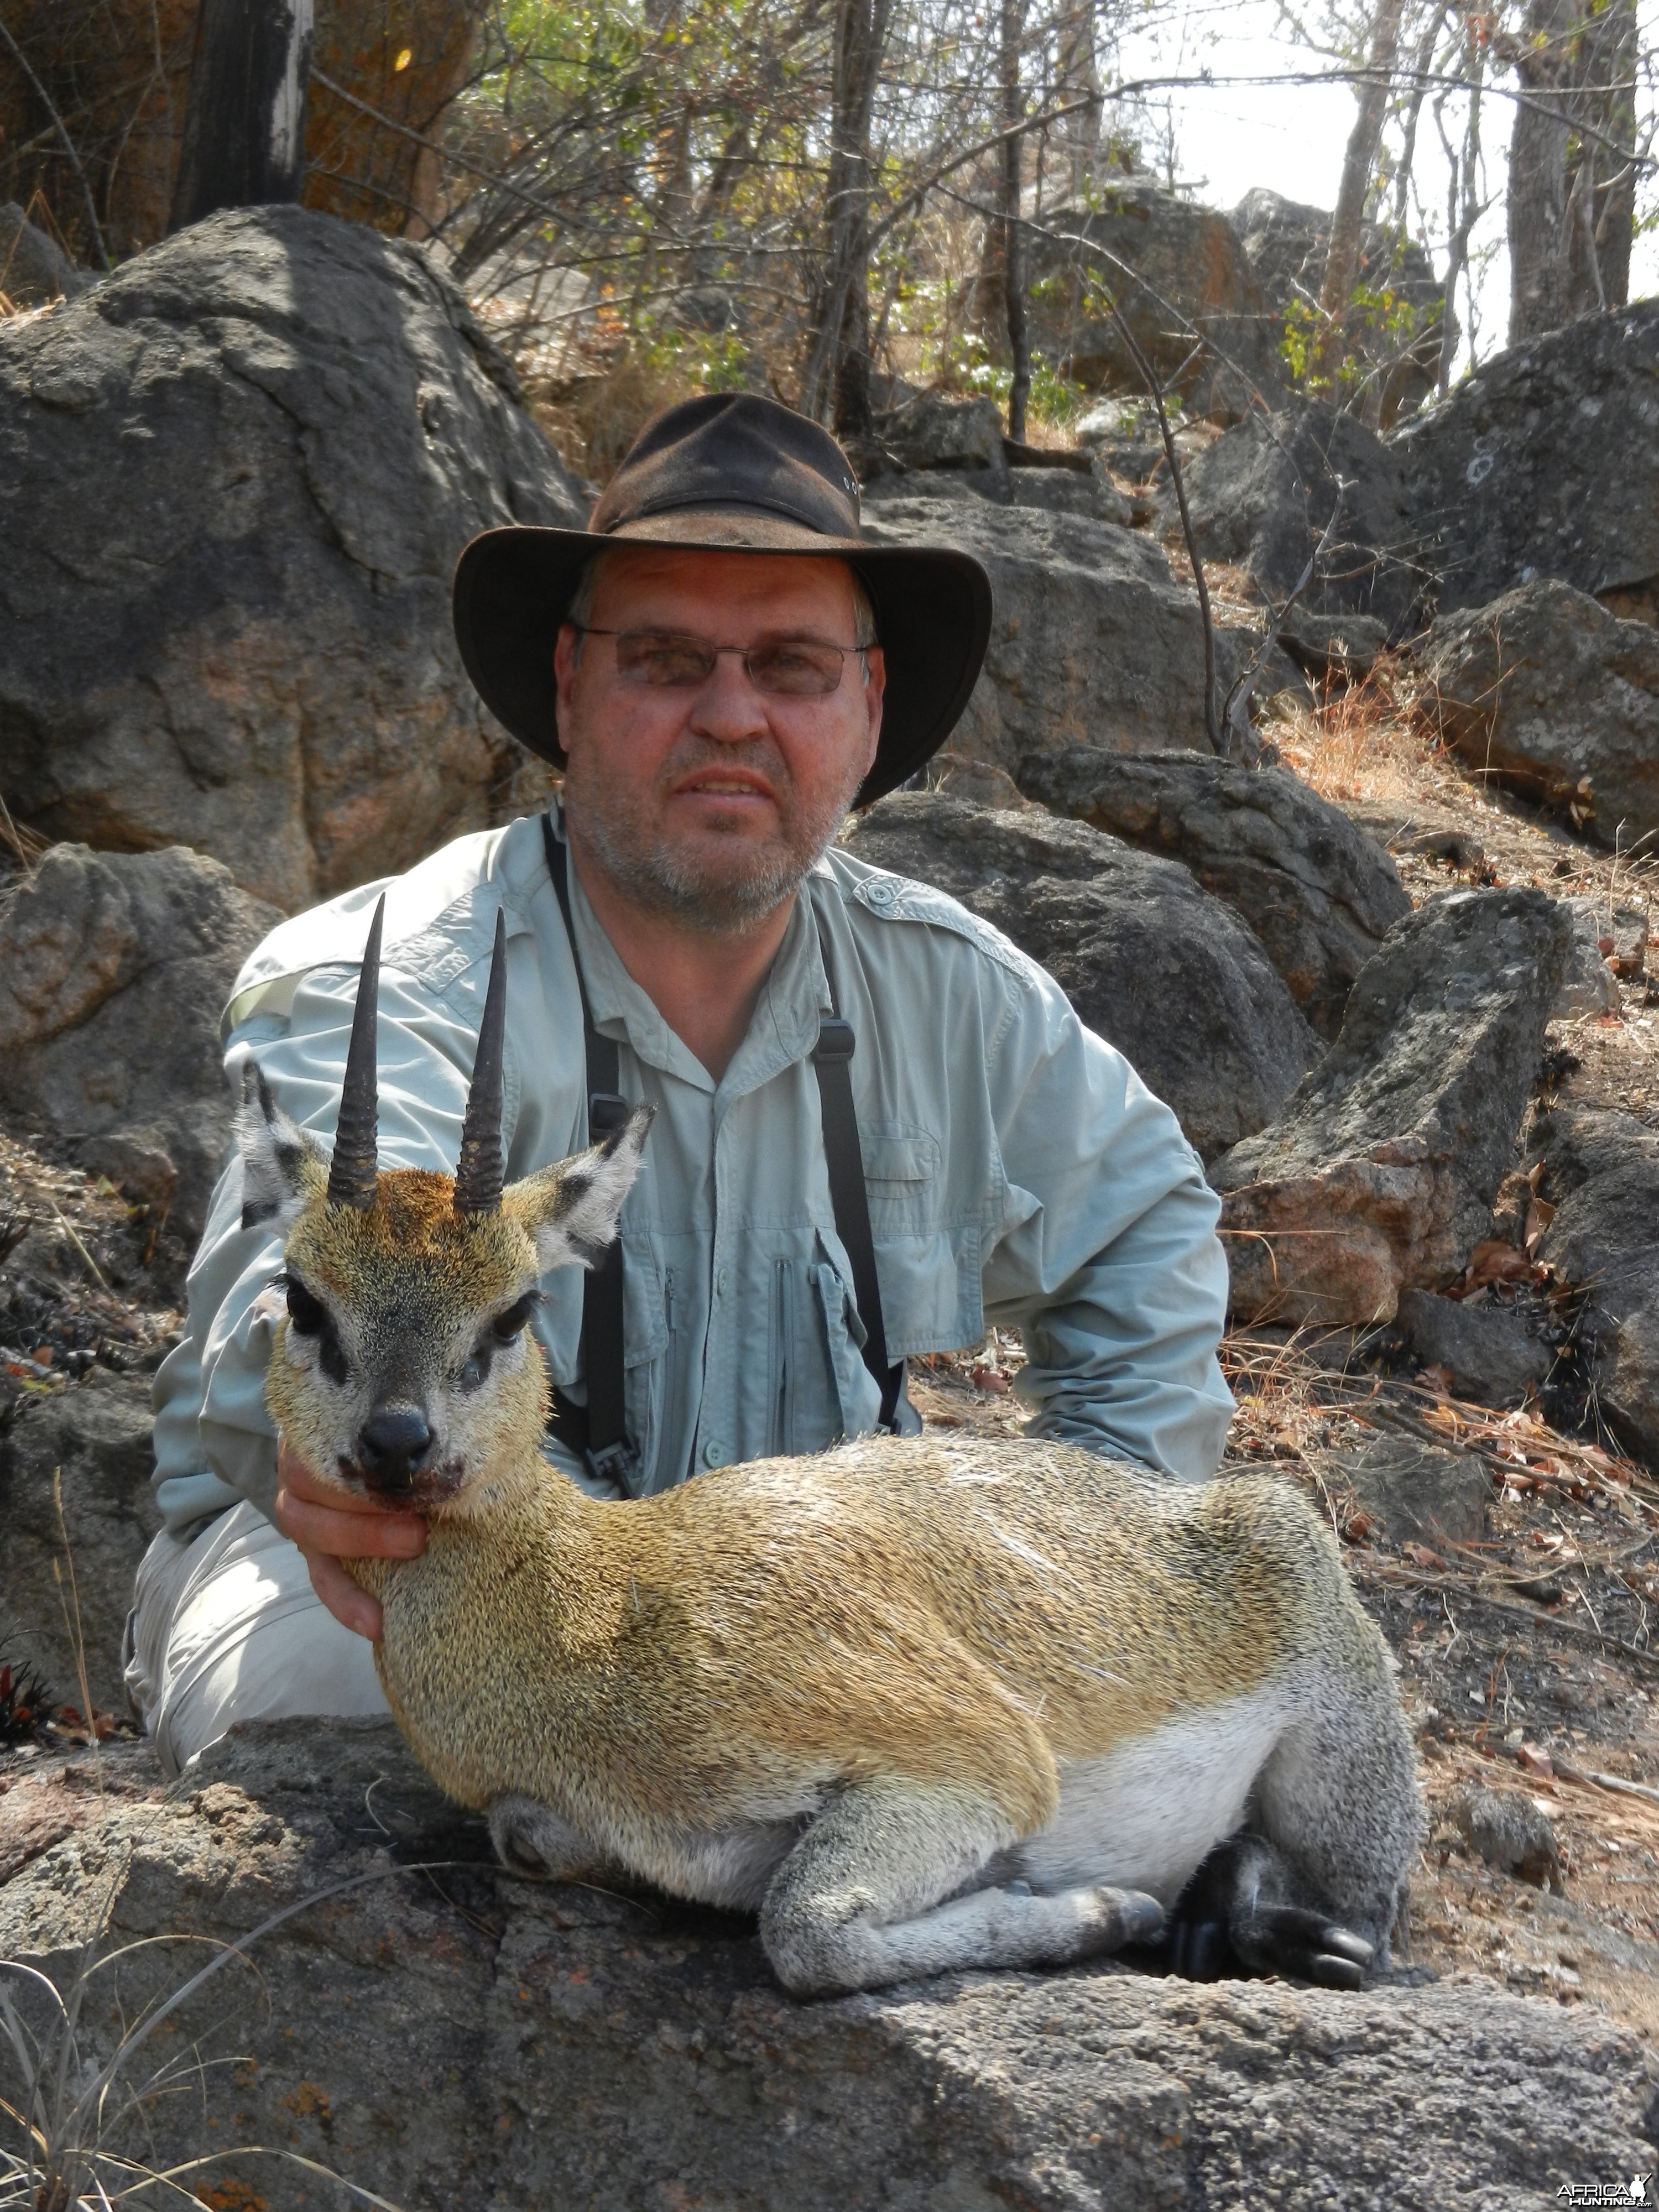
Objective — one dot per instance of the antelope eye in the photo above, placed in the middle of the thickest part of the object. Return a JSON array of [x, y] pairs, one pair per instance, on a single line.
[[506, 1326], [309, 1314]]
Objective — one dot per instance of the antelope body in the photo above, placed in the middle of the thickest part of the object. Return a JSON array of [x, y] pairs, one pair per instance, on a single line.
[[921, 1705]]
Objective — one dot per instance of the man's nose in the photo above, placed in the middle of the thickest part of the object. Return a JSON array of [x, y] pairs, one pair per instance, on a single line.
[[728, 707], [391, 1446]]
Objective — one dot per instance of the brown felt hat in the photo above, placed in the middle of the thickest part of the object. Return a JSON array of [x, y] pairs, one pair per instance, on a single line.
[[729, 472]]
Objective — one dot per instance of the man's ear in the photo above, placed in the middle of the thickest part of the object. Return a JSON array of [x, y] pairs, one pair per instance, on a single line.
[[572, 1210], [281, 1166]]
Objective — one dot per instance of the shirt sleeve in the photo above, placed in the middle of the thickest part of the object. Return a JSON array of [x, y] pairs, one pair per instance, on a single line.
[[1106, 1257]]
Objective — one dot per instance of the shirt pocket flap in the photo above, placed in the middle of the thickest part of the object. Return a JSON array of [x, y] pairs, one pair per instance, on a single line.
[[899, 1156]]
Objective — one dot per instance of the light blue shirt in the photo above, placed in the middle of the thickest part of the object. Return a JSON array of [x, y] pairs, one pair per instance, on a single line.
[[1019, 1174]]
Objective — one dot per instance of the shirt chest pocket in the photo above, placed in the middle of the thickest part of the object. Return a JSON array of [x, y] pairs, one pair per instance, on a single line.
[[928, 1269]]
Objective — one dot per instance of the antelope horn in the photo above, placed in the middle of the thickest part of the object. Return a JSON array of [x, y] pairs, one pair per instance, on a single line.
[[352, 1172], [480, 1169]]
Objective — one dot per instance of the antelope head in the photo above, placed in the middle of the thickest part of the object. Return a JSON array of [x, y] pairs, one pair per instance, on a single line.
[[402, 1363]]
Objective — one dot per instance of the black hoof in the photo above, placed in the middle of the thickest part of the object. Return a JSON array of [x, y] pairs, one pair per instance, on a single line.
[[1305, 1947]]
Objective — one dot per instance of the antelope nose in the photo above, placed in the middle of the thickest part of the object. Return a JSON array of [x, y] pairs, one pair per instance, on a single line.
[[391, 1446]]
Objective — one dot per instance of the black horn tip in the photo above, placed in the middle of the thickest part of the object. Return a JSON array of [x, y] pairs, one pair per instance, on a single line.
[[482, 1169], [354, 1170]]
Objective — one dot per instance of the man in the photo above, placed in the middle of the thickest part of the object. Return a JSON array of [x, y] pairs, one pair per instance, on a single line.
[[722, 666]]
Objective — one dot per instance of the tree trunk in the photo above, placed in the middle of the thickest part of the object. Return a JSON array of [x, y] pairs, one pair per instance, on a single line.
[[1079, 76], [838, 367], [1347, 223], [1013, 244], [1600, 182], [1537, 207], [244, 125], [1464, 206]]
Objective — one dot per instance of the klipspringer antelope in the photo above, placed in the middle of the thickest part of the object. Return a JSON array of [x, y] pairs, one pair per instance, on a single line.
[[921, 1704]]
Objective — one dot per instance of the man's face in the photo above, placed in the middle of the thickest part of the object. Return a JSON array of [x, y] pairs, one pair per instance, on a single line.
[[710, 803]]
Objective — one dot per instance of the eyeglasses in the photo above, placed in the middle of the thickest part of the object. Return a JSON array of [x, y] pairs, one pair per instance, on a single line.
[[662, 661]]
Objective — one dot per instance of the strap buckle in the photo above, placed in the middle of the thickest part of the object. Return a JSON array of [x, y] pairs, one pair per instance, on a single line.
[[836, 1039], [611, 1463], [606, 1112]]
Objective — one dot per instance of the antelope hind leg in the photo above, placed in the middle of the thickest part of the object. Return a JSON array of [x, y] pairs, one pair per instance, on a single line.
[[530, 1837], [881, 1888]]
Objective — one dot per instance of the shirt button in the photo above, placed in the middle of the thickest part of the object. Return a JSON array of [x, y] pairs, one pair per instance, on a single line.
[[713, 1453], [720, 1281], [879, 893]]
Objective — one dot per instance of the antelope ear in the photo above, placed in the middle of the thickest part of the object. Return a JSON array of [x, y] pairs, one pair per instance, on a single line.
[[572, 1209], [281, 1166]]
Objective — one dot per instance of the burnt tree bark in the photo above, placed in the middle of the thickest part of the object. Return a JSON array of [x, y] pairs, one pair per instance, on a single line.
[[245, 124], [1537, 203]]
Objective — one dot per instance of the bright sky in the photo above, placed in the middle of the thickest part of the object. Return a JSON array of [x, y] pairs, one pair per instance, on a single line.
[[1290, 137]]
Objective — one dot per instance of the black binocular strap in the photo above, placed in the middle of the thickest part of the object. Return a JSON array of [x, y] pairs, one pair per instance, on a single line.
[[599, 1432]]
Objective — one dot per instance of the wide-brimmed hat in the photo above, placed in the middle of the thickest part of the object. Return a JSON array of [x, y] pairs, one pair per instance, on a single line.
[[730, 472]]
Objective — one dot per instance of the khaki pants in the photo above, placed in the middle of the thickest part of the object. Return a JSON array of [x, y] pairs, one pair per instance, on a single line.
[[228, 1628]]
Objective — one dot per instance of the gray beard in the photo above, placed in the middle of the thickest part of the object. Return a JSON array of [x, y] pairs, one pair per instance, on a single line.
[[719, 900]]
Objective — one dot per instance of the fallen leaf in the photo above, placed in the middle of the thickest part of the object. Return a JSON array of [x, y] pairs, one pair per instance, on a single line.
[[1421, 1556], [989, 1378], [1532, 1758]]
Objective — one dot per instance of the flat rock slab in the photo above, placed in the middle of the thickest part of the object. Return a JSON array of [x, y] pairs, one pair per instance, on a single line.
[[1380, 1173], [1491, 1355], [1316, 890], [1159, 967], [458, 2037]]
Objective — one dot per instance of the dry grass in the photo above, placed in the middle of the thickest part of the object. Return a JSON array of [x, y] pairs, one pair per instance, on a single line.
[[1364, 741]]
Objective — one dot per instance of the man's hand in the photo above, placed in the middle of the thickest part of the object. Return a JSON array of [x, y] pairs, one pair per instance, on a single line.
[[329, 1524]]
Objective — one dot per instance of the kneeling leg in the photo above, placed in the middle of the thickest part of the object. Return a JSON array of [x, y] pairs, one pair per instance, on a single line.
[[881, 1888], [531, 1839]]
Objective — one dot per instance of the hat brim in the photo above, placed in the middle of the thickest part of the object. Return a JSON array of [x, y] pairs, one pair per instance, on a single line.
[[931, 604]]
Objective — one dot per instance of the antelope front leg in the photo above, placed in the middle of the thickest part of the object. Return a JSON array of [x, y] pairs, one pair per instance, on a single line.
[[881, 1889]]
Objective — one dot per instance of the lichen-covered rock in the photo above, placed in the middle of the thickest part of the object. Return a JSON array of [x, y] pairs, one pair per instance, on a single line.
[[1545, 462], [463, 2038], [236, 477], [114, 968], [1152, 963], [1382, 1170], [1320, 894], [1545, 691]]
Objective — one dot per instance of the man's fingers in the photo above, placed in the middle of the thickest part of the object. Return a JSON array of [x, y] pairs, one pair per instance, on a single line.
[[351, 1606], [345, 1534]]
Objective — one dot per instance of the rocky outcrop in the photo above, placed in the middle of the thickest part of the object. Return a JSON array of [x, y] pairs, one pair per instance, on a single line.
[[1178, 273], [1601, 1176], [1091, 641], [466, 2038], [93, 1441], [1545, 462], [1411, 1490], [1545, 691], [1319, 893], [114, 968], [1151, 963], [1286, 244], [239, 472], [1380, 1173], [1261, 495]]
